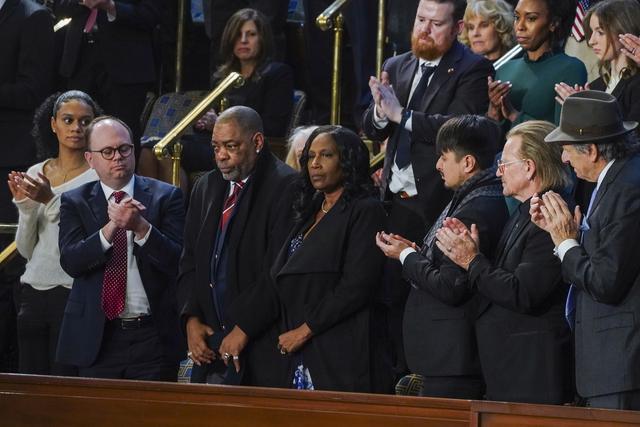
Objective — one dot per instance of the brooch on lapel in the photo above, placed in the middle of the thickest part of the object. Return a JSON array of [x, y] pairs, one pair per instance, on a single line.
[[450, 70]]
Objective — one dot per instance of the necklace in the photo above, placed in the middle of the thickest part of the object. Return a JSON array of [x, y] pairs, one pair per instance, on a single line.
[[65, 173], [326, 211]]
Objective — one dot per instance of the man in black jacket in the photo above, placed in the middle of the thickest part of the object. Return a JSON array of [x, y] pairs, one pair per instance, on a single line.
[[416, 93], [439, 338], [233, 218]]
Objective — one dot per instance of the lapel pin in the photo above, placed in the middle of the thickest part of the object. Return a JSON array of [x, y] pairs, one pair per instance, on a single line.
[[450, 70]]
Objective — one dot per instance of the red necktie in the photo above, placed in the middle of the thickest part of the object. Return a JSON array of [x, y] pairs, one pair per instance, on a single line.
[[91, 20], [229, 204], [114, 286]]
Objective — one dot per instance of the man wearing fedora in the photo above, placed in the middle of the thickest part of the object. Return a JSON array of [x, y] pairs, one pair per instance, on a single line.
[[598, 246]]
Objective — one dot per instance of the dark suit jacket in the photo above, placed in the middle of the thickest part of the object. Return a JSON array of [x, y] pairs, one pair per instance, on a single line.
[[325, 284], [458, 86], [26, 75], [606, 271], [125, 45], [523, 338], [438, 328], [83, 212], [261, 211]]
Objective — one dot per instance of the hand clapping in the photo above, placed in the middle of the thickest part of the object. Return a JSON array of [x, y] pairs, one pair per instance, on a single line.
[[457, 242]]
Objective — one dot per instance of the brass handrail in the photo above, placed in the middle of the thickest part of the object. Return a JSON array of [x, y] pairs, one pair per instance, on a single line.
[[180, 43], [512, 53], [169, 147], [376, 160], [332, 18], [380, 39], [8, 253], [324, 21]]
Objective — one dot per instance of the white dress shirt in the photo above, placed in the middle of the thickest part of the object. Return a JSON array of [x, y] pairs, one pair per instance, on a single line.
[[567, 244], [136, 302]]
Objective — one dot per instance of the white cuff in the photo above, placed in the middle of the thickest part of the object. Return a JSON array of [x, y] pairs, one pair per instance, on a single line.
[[377, 121], [563, 247], [105, 243], [144, 239], [405, 253]]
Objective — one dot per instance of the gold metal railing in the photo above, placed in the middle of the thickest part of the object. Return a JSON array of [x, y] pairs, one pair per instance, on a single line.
[[10, 251], [380, 39], [169, 147], [332, 18], [180, 43]]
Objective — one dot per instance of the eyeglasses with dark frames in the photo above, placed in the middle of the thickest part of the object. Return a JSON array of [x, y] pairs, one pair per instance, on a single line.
[[108, 153]]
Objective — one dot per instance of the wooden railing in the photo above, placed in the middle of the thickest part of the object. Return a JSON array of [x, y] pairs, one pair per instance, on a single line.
[[53, 401], [49, 401]]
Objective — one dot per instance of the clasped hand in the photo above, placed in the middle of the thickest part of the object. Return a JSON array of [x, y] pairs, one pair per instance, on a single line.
[[500, 107], [128, 215], [551, 213], [392, 245], [24, 186], [457, 242], [388, 106]]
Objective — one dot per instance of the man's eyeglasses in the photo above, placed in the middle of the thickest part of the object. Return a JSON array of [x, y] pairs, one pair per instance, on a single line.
[[108, 153], [502, 164]]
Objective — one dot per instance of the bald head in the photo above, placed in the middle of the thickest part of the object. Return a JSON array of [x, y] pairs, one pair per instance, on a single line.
[[245, 118]]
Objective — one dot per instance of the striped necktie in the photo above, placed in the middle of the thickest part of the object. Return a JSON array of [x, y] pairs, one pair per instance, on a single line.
[[230, 204]]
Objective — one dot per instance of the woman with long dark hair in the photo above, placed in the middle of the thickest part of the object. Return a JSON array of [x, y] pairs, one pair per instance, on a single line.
[[59, 126]]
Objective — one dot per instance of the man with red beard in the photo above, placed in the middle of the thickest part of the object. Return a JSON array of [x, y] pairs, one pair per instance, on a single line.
[[416, 93]]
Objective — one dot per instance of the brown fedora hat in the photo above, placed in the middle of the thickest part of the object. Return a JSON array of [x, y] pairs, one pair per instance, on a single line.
[[590, 116]]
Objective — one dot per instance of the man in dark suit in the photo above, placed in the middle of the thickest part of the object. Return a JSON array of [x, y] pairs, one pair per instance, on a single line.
[[108, 53], [598, 246], [439, 337], [416, 93], [26, 78], [120, 239], [233, 220], [523, 340]]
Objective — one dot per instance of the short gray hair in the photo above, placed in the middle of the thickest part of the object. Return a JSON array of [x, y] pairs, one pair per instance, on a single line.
[[247, 119], [617, 148]]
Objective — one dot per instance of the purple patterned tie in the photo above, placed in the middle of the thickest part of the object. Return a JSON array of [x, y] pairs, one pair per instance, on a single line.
[[114, 286]]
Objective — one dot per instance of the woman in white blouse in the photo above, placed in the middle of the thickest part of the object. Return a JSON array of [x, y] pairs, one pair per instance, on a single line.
[[59, 126]]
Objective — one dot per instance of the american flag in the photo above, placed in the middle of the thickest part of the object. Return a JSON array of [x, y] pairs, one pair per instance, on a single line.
[[577, 31]]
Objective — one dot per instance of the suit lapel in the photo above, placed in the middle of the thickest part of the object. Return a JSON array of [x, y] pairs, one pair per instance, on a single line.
[[405, 79], [612, 173], [142, 194], [98, 203], [443, 72], [512, 235]]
